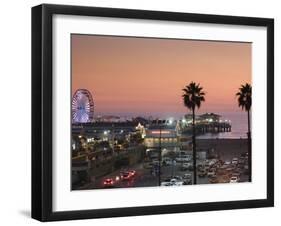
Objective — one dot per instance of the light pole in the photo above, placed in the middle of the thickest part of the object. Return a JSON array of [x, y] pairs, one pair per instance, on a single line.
[[160, 153], [112, 138]]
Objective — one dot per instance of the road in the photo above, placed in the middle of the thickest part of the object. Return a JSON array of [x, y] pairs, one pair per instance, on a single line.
[[142, 178]]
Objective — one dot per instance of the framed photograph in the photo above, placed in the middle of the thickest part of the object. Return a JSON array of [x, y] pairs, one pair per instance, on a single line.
[[145, 112]]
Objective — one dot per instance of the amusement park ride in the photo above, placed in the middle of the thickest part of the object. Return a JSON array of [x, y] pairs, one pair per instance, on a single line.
[[82, 106]]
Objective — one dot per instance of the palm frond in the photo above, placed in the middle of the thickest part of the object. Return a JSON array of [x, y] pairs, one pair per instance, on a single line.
[[245, 97], [193, 96]]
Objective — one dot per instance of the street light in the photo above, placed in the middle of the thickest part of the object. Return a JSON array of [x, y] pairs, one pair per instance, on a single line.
[[170, 121], [160, 153]]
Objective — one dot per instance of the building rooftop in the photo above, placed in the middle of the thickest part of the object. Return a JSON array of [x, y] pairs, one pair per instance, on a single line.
[[207, 115], [106, 124], [162, 124]]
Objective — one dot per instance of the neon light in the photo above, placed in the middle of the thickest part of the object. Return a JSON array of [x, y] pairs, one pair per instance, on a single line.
[[162, 132]]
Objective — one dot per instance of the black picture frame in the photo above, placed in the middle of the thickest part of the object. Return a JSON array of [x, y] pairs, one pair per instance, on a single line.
[[42, 107]]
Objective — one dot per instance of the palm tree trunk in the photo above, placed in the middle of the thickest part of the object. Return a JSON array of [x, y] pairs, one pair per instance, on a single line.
[[194, 148], [249, 148]]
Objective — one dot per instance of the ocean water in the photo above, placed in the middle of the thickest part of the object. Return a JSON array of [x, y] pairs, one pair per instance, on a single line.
[[239, 126]]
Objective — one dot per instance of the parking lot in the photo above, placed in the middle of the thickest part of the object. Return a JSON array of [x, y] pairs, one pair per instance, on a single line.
[[228, 167], [227, 163]]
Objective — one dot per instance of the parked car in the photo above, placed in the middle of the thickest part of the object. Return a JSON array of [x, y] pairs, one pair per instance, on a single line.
[[187, 182], [186, 166], [183, 159], [241, 161], [234, 161], [212, 162], [233, 179], [213, 179], [167, 162], [176, 182], [187, 176], [201, 166], [211, 173], [227, 163], [177, 178], [202, 173], [187, 179], [166, 182]]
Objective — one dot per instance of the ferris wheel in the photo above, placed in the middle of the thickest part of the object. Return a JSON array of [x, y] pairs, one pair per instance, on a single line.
[[82, 106]]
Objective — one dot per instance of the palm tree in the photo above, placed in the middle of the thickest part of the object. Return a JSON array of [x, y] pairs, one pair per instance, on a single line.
[[245, 102], [193, 96]]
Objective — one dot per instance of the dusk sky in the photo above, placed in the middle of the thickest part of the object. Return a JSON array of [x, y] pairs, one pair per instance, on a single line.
[[144, 76]]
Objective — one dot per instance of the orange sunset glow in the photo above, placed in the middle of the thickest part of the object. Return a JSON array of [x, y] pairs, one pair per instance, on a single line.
[[145, 76]]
